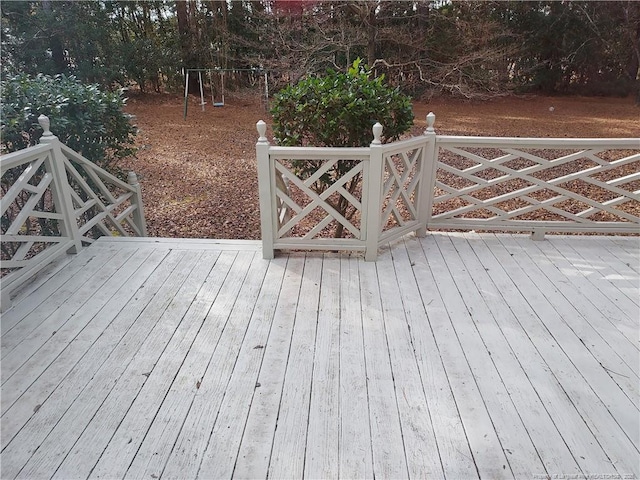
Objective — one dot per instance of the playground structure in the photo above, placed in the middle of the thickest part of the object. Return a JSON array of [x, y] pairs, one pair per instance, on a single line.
[[215, 78]]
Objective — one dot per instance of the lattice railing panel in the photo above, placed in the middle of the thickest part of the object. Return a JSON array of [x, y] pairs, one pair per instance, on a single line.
[[32, 223], [54, 201], [318, 198], [444, 182], [504, 186], [402, 174], [103, 204]]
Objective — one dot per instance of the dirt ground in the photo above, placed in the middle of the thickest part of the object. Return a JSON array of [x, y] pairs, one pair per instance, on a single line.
[[199, 177]]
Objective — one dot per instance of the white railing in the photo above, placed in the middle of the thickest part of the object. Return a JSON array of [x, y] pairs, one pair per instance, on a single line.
[[373, 195], [537, 184], [55, 201]]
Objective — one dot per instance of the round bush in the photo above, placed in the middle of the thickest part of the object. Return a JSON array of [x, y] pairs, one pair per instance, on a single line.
[[339, 109], [83, 117]]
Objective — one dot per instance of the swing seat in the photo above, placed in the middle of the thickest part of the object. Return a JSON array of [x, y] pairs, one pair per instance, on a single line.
[[218, 104]]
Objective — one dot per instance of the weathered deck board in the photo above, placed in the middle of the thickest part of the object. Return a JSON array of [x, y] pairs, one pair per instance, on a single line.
[[293, 412], [614, 411], [539, 355], [431, 334], [42, 322], [453, 356], [416, 419], [257, 296], [506, 342], [323, 430], [387, 445], [255, 448]]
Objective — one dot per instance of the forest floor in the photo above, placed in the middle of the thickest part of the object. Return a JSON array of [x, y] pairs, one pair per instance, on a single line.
[[199, 177]]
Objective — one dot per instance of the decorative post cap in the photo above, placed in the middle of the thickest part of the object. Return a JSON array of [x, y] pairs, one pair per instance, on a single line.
[[262, 131], [377, 133], [132, 178], [431, 119], [44, 122]]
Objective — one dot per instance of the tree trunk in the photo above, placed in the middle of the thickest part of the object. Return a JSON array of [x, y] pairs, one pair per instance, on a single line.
[[372, 32], [220, 11], [184, 32], [632, 19], [183, 29], [57, 52]]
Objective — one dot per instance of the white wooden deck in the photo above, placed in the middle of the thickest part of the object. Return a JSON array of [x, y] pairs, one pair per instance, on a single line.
[[454, 356]]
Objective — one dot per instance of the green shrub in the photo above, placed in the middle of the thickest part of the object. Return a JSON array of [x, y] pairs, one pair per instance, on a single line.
[[83, 117], [338, 110]]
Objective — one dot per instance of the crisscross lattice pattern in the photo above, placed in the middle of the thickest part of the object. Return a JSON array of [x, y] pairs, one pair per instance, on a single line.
[[32, 221], [316, 197], [503, 186], [102, 203], [54, 199], [402, 174]]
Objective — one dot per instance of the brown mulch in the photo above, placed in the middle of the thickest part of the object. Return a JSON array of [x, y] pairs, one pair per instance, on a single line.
[[199, 177]]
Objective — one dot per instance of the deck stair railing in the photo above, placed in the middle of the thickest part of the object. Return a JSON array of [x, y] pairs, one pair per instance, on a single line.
[[56, 201], [535, 185]]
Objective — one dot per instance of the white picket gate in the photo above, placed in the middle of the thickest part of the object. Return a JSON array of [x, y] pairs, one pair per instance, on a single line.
[[535, 185], [55, 201]]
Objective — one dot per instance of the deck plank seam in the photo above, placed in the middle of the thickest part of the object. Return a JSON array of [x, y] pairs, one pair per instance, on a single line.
[[201, 317], [391, 365], [72, 372], [524, 335], [469, 313], [411, 331], [600, 357], [577, 371], [438, 348], [91, 321], [116, 383], [492, 357], [229, 317], [233, 325], [237, 358]]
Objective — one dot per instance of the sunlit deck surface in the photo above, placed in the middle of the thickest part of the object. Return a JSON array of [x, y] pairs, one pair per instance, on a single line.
[[454, 356]]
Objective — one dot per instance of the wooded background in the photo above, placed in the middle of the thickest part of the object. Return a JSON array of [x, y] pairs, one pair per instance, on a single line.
[[469, 49]]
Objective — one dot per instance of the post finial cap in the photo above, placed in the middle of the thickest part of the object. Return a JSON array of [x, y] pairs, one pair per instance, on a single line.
[[44, 122], [132, 178], [431, 120], [47, 136], [262, 131], [377, 134]]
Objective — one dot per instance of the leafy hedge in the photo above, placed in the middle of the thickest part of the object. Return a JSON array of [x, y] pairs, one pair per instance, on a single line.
[[85, 118], [339, 109]]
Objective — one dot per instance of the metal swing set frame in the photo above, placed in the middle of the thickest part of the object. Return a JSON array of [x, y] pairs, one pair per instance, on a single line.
[[221, 71]]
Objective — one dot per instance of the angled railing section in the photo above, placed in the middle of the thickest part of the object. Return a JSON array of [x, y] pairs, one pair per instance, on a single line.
[[382, 192], [405, 185], [103, 204], [56, 201], [340, 198]]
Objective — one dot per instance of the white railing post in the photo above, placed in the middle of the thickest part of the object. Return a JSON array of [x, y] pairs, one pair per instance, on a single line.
[[427, 183], [60, 187], [265, 192], [138, 214], [374, 190]]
